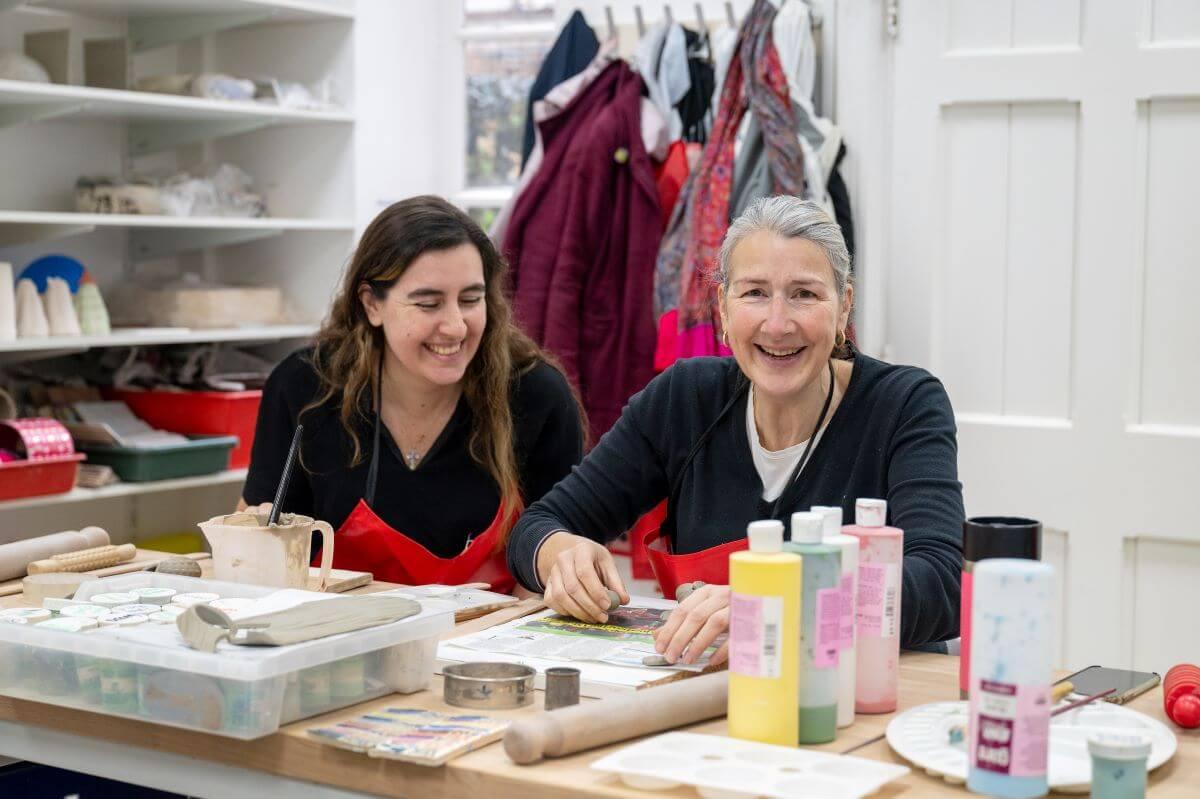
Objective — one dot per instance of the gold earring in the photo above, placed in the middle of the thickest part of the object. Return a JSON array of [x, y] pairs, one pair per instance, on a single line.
[[839, 341], [725, 338]]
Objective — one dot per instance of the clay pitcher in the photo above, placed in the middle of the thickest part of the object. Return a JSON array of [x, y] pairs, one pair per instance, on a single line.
[[245, 550]]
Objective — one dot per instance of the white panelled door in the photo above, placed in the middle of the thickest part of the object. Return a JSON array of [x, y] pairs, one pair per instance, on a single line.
[[1044, 262]]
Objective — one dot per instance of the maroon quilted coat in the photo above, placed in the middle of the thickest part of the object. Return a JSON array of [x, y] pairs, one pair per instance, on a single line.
[[582, 242]]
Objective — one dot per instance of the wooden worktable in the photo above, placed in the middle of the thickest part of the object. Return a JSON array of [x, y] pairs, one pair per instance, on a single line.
[[489, 774]]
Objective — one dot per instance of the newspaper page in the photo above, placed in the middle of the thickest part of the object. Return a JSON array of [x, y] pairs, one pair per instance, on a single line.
[[625, 640]]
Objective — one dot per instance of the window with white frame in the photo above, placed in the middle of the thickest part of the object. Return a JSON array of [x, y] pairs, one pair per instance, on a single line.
[[503, 44]]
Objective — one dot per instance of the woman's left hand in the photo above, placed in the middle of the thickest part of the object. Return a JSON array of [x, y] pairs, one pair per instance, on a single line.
[[694, 625]]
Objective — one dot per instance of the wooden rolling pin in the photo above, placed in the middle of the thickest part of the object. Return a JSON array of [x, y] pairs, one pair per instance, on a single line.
[[85, 560], [586, 726], [16, 557]]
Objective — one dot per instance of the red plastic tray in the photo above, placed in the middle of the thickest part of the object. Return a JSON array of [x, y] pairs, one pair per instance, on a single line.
[[228, 413], [35, 478]]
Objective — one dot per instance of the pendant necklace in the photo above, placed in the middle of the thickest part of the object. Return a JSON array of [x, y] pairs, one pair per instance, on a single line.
[[412, 458]]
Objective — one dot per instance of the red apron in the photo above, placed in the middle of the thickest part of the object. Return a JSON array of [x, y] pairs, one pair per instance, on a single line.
[[708, 565], [366, 542]]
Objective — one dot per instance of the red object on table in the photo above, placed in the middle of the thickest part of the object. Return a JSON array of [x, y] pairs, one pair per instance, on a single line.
[[230, 413], [1181, 695]]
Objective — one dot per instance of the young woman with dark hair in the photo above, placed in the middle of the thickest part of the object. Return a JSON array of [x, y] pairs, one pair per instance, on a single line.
[[430, 420]]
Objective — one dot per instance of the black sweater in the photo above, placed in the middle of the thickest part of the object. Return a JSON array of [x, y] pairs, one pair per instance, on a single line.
[[448, 497], [892, 437]]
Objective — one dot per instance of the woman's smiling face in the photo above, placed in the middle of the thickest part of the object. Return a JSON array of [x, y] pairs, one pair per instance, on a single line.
[[781, 312], [434, 315]]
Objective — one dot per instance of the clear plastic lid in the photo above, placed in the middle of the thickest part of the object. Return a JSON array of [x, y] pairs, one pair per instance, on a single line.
[[1119, 746]]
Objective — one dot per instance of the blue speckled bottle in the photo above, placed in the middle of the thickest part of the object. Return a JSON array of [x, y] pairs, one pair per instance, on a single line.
[[1012, 639], [1119, 765]]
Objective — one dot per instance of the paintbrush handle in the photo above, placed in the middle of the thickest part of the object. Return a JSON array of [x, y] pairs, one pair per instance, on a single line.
[[1082, 702], [285, 478]]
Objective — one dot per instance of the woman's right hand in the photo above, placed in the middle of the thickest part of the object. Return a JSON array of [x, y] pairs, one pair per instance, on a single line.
[[578, 574]]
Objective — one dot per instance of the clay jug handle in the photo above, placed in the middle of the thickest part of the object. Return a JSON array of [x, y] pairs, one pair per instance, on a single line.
[[326, 550]]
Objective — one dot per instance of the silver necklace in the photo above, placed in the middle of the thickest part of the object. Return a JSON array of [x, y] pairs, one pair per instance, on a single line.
[[412, 458]]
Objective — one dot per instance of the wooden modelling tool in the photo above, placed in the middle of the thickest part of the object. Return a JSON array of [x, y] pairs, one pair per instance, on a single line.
[[85, 560]]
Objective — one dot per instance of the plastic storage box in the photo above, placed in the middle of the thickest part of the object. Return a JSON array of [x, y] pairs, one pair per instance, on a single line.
[[238, 691], [202, 455], [227, 413], [35, 478]]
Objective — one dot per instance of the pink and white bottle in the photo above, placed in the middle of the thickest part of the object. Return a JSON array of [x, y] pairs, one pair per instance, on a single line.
[[880, 577]]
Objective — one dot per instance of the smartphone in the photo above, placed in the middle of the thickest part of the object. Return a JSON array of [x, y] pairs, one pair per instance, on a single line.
[[1127, 684]]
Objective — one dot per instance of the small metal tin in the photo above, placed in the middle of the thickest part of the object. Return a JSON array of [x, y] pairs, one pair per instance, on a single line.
[[488, 685], [562, 687]]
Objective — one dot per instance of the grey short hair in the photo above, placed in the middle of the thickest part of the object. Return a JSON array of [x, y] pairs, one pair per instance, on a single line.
[[792, 218]]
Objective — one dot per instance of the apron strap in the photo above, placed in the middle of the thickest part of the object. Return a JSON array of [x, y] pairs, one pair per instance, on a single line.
[[667, 529], [373, 468]]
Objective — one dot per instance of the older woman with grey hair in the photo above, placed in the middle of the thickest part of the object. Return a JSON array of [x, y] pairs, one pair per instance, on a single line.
[[795, 418]]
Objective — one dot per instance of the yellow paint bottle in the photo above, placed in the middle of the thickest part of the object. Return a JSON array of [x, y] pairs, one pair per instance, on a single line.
[[764, 639]]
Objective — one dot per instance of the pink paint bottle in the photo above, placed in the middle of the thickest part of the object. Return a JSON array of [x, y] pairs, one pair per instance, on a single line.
[[880, 576]]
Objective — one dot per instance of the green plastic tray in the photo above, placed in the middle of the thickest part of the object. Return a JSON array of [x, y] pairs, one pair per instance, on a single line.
[[202, 455]]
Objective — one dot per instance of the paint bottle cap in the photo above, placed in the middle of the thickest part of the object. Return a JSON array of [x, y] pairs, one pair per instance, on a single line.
[[807, 527], [1119, 746], [765, 536], [870, 512], [832, 519]]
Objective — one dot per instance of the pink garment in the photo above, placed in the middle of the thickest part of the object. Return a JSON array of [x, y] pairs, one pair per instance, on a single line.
[[671, 341]]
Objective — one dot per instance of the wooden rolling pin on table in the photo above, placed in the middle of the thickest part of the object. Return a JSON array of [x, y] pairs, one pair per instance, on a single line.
[[619, 718], [16, 557]]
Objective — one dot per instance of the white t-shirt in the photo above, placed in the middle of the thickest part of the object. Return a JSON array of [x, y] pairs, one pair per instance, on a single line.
[[774, 468]]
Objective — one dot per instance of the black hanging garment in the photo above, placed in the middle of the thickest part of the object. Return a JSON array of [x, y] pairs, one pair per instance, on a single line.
[[573, 50], [695, 108]]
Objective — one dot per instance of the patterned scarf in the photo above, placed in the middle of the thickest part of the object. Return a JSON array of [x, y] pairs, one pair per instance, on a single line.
[[756, 83]]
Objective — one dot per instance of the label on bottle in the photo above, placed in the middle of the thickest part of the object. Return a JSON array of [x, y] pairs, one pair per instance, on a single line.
[[828, 623], [755, 635], [1010, 728], [878, 600], [846, 628]]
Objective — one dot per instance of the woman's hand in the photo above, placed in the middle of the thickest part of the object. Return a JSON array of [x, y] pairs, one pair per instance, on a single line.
[[578, 574], [694, 625]]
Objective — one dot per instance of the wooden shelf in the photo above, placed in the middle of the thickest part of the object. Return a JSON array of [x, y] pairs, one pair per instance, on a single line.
[[229, 477], [158, 236]]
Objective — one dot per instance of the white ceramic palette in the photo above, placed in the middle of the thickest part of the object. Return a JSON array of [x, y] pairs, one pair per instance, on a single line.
[[725, 768], [921, 736]]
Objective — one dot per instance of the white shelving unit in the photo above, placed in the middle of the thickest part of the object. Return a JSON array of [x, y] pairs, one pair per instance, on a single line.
[[229, 477], [302, 161], [39, 348]]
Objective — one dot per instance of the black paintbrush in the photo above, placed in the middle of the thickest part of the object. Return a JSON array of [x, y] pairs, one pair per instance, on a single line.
[[286, 478]]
